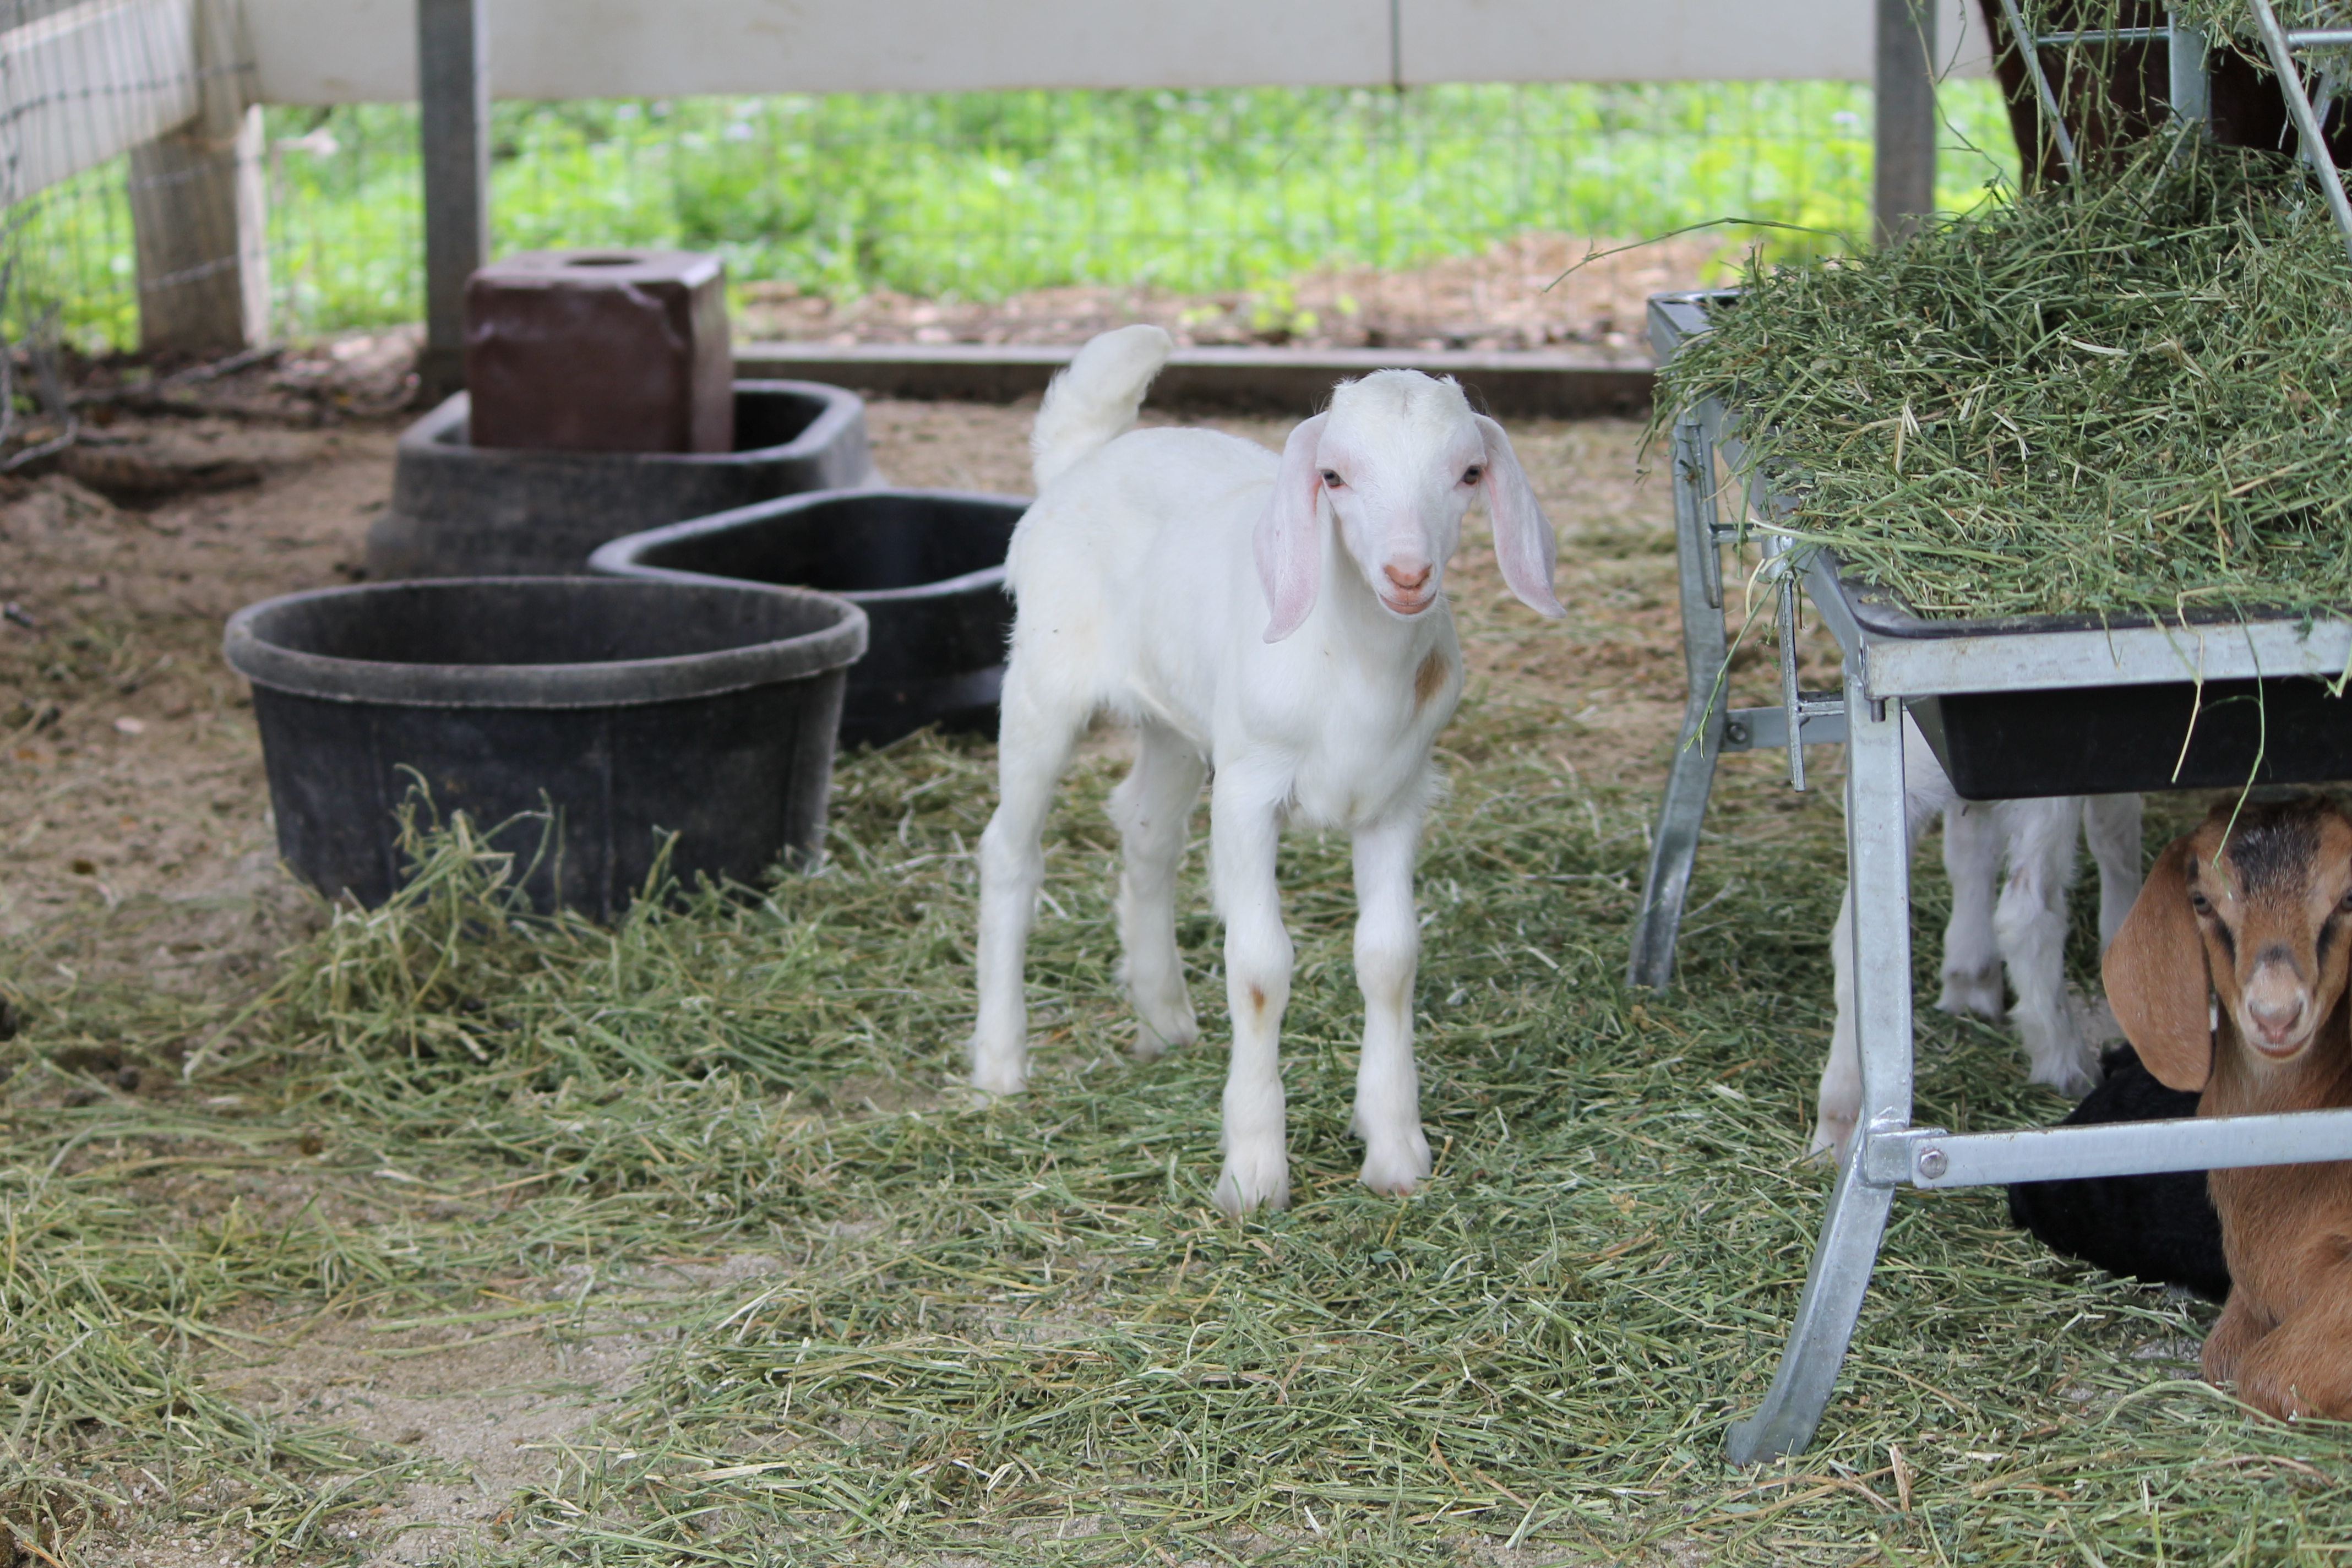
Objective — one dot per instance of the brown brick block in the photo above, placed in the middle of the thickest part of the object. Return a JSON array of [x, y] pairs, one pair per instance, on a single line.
[[600, 351]]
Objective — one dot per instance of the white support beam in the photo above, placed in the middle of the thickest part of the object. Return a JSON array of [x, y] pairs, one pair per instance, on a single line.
[[88, 83], [348, 51]]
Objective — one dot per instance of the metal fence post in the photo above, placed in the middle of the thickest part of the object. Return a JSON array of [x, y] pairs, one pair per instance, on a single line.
[[1904, 173], [453, 83], [198, 213]]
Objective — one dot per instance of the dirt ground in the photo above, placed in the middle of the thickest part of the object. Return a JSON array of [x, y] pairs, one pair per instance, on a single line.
[[1536, 290], [132, 782]]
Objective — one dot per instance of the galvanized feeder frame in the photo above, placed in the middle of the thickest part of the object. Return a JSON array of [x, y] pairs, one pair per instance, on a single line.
[[1957, 677]]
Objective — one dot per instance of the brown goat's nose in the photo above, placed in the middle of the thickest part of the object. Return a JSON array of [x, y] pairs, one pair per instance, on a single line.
[[2274, 1016], [1407, 582]]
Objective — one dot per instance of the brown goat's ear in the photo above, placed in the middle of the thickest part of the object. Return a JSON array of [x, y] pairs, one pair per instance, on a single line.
[[2155, 973]]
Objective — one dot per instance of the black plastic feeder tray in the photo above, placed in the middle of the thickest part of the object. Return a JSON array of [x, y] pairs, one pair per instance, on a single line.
[[2112, 739], [462, 510], [636, 709], [927, 567]]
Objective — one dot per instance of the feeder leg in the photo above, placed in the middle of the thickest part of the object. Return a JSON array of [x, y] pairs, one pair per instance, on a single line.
[[1692, 776], [1878, 851]]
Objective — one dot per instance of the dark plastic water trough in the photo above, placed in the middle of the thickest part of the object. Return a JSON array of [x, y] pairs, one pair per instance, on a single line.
[[635, 709], [462, 510], [927, 567]]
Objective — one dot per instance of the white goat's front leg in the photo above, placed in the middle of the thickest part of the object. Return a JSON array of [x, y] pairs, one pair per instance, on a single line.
[[1973, 842], [2111, 823], [2031, 923], [1152, 808], [1242, 827], [1033, 744], [1388, 949]]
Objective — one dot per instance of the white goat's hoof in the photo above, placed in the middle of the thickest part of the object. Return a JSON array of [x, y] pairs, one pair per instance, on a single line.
[[1980, 992], [1252, 1181], [2073, 1073], [997, 1073], [1832, 1135], [1161, 1029], [1397, 1167]]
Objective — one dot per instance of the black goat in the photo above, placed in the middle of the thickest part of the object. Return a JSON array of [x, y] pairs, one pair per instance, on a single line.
[[2160, 1228]]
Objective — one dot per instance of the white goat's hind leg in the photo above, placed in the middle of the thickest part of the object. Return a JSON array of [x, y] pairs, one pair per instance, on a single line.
[[2031, 923], [1972, 840], [2111, 823], [1241, 839], [1034, 746], [1153, 808], [1388, 949], [1838, 1104]]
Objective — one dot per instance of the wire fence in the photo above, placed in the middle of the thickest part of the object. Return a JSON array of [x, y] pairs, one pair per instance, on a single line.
[[144, 97], [978, 196]]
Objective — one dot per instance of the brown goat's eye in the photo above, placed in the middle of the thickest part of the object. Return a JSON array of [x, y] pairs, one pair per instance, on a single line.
[[1332, 481], [1472, 474], [2200, 903]]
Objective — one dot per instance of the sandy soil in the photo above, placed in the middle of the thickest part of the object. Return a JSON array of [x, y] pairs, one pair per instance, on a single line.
[[132, 806], [1529, 292]]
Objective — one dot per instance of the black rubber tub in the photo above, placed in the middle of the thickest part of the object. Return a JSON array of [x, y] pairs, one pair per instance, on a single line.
[[927, 567], [462, 510], [636, 709], [2115, 740], [2112, 739]]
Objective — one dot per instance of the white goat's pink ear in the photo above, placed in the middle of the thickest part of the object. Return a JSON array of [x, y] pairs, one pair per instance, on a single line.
[[1524, 546], [1289, 538]]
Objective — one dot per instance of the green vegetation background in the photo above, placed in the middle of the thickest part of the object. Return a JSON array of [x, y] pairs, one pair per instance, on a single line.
[[984, 195]]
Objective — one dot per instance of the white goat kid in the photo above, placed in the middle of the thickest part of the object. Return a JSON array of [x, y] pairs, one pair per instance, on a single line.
[[2018, 922], [1278, 624]]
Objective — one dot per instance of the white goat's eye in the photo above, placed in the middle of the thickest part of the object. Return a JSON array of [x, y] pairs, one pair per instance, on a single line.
[[1472, 474], [1332, 481]]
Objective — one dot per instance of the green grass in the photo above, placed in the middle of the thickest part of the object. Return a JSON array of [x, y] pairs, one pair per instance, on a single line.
[[983, 194], [1018, 1332]]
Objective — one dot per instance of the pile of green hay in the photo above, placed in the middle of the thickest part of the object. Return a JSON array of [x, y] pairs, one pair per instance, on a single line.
[[2123, 396]]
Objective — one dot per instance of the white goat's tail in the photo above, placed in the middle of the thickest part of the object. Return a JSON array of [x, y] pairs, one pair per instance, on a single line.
[[1094, 402]]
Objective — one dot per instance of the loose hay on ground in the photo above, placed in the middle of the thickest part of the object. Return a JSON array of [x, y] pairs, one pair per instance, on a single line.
[[1017, 1332]]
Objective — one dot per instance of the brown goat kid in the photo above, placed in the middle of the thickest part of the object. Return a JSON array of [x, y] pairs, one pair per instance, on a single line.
[[2228, 976]]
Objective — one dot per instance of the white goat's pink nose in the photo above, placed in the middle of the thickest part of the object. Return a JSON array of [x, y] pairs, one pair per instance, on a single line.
[[1406, 581]]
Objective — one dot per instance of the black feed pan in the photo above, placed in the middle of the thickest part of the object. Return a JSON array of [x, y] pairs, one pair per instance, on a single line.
[[927, 567], [462, 510], [637, 710], [2114, 740]]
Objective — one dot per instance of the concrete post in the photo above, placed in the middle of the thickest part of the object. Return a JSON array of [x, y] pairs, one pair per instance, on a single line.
[[199, 212], [452, 70], [1904, 176]]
